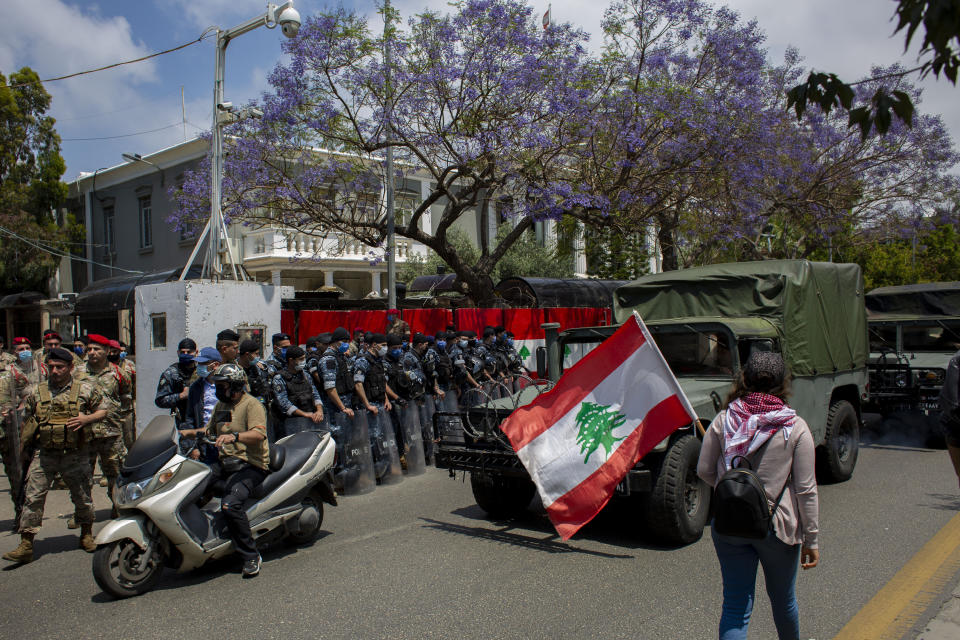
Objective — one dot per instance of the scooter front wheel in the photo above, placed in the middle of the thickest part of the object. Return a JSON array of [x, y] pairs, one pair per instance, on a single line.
[[122, 569]]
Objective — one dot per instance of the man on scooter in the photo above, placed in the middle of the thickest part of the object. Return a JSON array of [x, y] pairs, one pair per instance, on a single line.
[[239, 424]]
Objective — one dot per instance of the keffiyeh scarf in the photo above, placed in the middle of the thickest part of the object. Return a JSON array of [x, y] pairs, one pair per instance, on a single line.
[[750, 421]]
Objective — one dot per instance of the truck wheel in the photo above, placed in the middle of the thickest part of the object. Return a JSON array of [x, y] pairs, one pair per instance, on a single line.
[[837, 457], [501, 496], [679, 504]]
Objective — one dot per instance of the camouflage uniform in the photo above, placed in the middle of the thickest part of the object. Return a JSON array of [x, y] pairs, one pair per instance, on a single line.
[[16, 384], [59, 450], [128, 410], [7, 359], [398, 327], [107, 442]]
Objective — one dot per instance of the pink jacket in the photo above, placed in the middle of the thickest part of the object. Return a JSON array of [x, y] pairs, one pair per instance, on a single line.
[[798, 517]]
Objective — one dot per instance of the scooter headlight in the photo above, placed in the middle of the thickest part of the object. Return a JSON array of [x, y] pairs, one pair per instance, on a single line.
[[133, 491]]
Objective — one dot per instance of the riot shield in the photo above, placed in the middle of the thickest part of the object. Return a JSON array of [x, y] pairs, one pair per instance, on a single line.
[[427, 409], [413, 440], [383, 446], [358, 472], [447, 419], [296, 424]]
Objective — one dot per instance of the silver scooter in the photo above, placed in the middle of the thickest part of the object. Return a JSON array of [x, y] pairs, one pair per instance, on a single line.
[[163, 521]]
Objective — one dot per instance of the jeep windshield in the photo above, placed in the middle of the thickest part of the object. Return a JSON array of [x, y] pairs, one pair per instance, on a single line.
[[691, 350], [932, 336]]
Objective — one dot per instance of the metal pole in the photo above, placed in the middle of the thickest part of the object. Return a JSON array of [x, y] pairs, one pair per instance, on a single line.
[[216, 161], [388, 114]]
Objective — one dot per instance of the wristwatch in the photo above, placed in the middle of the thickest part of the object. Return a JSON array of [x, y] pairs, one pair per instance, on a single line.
[[236, 437]]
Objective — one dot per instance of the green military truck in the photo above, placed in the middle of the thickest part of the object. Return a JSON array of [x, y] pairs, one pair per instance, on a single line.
[[706, 322], [914, 331]]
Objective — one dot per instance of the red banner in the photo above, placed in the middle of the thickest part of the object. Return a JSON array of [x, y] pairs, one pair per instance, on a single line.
[[373, 321], [427, 321], [288, 323], [574, 317], [315, 322], [524, 323], [477, 319]]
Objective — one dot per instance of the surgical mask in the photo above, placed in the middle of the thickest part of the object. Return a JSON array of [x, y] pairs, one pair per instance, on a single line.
[[256, 361], [343, 347], [25, 356], [203, 370], [441, 344], [312, 349], [78, 351], [462, 344], [300, 365], [396, 353], [186, 359], [382, 351], [509, 343], [283, 352], [123, 354]]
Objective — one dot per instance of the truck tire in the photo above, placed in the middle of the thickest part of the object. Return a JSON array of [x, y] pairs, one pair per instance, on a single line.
[[502, 497], [837, 457], [679, 504]]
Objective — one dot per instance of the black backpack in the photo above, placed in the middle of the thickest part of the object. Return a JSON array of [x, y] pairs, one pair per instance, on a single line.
[[740, 503]]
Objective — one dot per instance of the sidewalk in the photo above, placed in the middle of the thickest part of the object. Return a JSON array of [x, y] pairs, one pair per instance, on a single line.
[[946, 624]]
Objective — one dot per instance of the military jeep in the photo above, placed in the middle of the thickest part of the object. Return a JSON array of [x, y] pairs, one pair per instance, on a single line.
[[706, 322]]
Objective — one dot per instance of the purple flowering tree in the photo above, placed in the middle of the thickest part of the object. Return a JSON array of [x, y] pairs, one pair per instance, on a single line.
[[486, 108]]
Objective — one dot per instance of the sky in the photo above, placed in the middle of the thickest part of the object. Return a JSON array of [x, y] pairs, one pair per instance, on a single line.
[[97, 113]]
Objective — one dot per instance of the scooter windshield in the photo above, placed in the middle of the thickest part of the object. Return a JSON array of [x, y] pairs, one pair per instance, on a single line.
[[151, 450]]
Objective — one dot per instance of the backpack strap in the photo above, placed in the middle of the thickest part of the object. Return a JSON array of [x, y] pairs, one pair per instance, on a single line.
[[776, 505]]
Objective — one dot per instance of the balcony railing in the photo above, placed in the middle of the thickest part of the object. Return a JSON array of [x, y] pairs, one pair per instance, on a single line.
[[287, 245]]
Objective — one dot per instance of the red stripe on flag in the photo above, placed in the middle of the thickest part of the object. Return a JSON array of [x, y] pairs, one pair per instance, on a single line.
[[578, 506], [528, 422]]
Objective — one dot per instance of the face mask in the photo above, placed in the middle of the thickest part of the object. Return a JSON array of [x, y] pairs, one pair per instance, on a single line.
[[462, 344], [382, 351], [509, 343], [25, 356], [441, 344], [396, 353], [299, 366], [186, 359], [203, 370], [312, 349], [78, 351], [223, 395], [123, 354], [283, 352], [255, 361], [343, 348]]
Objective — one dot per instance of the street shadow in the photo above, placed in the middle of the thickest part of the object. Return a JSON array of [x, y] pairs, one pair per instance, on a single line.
[[943, 502], [894, 447], [551, 544]]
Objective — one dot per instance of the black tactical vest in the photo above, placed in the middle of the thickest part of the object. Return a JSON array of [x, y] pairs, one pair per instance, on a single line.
[[344, 374], [375, 382], [444, 367], [259, 388], [299, 390]]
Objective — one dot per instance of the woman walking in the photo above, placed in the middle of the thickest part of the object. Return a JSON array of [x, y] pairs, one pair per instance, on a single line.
[[758, 425]]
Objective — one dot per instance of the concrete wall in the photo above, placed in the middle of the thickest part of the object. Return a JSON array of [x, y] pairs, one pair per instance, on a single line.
[[199, 310]]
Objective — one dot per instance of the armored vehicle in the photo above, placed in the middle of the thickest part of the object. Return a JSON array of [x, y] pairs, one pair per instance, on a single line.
[[706, 322]]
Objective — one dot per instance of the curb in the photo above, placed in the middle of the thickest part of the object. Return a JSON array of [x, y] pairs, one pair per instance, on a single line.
[[946, 624]]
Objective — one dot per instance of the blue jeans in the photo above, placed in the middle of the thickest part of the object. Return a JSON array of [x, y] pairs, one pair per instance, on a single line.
[[738, 565]]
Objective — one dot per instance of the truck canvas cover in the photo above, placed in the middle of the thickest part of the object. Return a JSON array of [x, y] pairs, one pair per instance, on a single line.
[[930, 299], [817, 307]]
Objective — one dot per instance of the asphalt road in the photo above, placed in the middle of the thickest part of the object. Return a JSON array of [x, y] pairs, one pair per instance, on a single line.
[[419, 560]]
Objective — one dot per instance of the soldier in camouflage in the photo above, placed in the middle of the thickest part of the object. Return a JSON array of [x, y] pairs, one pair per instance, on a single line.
[[6, 359], [107, 442], [59, 417], [128, 369]]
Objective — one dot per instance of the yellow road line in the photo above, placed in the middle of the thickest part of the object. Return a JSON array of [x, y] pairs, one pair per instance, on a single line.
[[901, 602]]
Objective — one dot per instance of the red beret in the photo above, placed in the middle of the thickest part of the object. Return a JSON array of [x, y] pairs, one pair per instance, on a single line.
[[25, 341], [115, 345], [96, 338], [50, 333]]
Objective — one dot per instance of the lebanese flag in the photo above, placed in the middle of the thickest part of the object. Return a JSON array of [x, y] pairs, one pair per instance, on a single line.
[[610, 409], [546, 16]]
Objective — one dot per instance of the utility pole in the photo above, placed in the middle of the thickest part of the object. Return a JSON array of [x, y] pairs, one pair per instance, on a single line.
[[388, 115]]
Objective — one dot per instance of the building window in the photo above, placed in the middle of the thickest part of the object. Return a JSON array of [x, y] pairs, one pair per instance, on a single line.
[[146, 223], [158, 331], [109, 239]]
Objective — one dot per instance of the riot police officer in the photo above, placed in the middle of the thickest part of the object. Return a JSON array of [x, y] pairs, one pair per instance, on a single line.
[[372, 394], [277, 360], [58, 421], [176, 379], [336, 373], [296, 401]]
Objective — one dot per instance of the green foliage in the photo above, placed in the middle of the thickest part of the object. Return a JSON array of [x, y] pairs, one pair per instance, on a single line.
[[524, 258], [934, 258], [30, 188]]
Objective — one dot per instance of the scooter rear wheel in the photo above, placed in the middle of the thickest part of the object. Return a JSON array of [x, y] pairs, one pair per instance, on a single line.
[[311, 519], [122, 570]]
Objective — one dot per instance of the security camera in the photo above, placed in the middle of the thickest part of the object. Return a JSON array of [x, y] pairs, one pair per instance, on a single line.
[[289, 22], [224, 106]]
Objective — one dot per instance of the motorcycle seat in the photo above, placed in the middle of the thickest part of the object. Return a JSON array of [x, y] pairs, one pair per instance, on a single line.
[[294, 452]]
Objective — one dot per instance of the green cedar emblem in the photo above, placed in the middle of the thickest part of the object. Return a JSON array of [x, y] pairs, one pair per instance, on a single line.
[[595, 424]]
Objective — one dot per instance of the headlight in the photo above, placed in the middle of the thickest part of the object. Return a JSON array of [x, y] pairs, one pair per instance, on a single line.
[[133, 491]]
